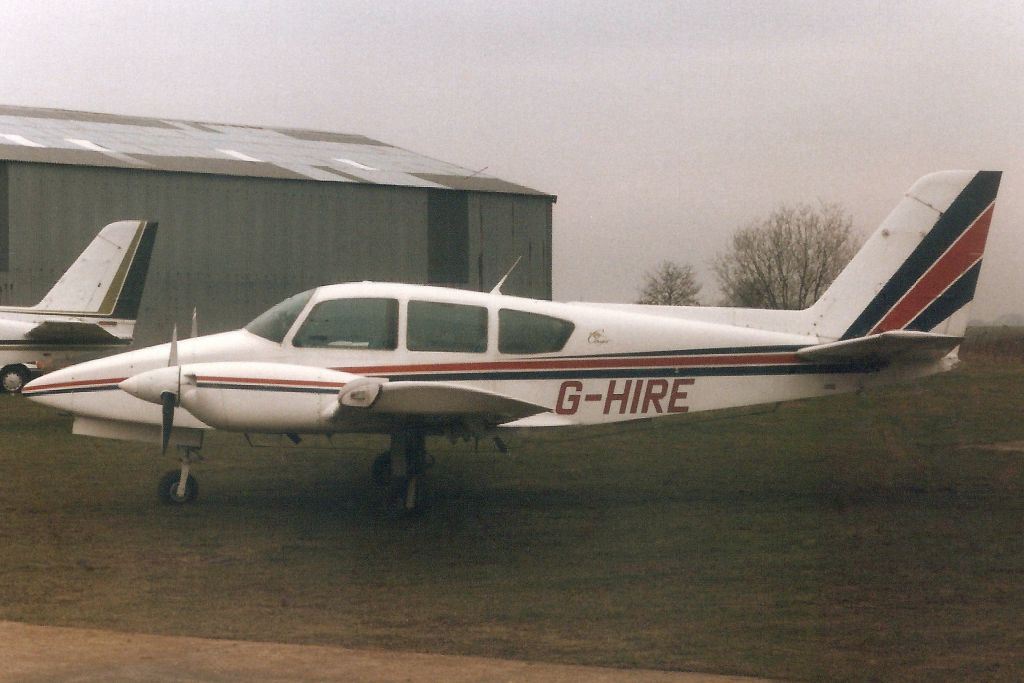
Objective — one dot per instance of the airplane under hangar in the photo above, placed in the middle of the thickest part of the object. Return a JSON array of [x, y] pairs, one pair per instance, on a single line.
[[249, 215]]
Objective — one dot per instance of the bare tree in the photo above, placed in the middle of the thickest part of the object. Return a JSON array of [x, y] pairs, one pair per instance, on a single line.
[[670, 284], [788, 259]]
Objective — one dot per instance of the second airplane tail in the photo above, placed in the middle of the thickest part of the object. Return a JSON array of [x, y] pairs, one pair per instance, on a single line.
[[107, 279]]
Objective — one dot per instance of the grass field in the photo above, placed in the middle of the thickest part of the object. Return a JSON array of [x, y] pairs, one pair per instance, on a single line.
[[864, 537]]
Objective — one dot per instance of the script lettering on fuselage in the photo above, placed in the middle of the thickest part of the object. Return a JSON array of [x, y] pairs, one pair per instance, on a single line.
[[625, 397]]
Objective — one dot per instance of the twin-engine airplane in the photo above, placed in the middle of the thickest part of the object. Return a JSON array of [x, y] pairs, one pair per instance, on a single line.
[[412, 361], [91, 310]]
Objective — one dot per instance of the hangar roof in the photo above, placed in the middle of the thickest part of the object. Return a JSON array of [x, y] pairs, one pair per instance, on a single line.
[[59, 136]]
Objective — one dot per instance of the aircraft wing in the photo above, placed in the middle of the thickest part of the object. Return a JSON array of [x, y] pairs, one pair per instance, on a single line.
[[441, 399], [70, 332], [283, 397], [886, 347]]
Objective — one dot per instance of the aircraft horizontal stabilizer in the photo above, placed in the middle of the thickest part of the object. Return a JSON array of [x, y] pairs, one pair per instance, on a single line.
[[68, 332], [883, 348]]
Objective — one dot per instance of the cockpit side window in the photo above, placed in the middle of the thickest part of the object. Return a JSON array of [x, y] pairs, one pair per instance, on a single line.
[[522, 332], [274, 323], [437, 326], [351, 324]]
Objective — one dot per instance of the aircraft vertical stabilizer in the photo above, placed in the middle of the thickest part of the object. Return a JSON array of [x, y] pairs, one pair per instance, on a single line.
[[919, 270], [108, 277]]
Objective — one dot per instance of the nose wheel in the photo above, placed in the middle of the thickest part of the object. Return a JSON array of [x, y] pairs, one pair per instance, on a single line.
[[179, 487], [171, 491]]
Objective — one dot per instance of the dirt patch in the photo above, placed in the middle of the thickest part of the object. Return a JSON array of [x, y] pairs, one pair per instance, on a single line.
[[47, 653], [1005, 446]]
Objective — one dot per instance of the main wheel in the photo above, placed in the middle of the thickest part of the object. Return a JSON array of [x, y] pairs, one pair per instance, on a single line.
[[412, 501], [381, 469], [168, 490], [406, 496], [13, 378]]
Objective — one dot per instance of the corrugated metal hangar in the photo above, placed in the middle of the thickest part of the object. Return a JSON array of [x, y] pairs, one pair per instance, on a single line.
[[249, 216]]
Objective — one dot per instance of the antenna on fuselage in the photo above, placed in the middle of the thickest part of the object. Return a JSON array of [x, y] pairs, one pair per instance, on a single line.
[[497, 287]]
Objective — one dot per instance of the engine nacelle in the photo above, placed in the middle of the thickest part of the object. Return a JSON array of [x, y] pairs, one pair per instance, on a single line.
[[253, 397]]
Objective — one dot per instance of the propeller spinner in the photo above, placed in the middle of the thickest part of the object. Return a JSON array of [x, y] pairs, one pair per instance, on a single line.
[[162, 386]]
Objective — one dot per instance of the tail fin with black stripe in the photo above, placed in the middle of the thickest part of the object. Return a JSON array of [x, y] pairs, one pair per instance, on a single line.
[[919, 270]]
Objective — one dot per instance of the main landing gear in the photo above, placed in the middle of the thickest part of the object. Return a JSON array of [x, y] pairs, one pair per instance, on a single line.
[[179, 487], [401, 470]]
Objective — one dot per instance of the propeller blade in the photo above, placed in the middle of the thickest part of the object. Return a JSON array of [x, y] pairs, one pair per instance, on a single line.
[[168, 401], [172, 358], [195, 323]]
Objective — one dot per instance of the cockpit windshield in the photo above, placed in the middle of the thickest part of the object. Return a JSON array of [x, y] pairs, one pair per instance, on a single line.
[[275, 323]]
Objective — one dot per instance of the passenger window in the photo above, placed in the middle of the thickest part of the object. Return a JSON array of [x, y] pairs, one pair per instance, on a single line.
[[521, 332], [350, 324], [446, 327]]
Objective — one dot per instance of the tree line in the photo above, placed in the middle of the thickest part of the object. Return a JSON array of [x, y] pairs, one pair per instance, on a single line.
[[784, 261]]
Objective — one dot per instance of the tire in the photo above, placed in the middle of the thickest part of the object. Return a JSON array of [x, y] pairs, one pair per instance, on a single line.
[[168, 490], [407, 497], [381, 469], [13, 378]]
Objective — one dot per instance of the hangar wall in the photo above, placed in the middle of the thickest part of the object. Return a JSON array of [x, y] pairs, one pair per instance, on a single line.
[[232, 246]]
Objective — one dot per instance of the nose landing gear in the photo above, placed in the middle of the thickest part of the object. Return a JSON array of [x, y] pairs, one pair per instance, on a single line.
[[179, 487]]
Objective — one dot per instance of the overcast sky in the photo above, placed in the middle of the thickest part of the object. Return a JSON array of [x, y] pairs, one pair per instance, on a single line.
[[660, 126]]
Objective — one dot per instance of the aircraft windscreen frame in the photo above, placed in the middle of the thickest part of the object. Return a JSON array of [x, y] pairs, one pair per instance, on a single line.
[[274, 323]]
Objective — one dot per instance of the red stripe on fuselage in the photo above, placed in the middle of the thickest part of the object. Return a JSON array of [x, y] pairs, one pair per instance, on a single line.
[[583, 364], [80, 384], [964, 253], [543, 364]]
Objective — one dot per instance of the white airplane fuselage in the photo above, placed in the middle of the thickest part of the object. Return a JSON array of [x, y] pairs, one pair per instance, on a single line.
[[615, 366]]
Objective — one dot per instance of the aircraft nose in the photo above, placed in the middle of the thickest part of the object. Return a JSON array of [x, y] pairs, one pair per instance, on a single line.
[[55, 389]]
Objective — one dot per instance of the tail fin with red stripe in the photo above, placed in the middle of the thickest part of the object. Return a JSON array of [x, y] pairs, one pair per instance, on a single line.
[[919, 270]]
